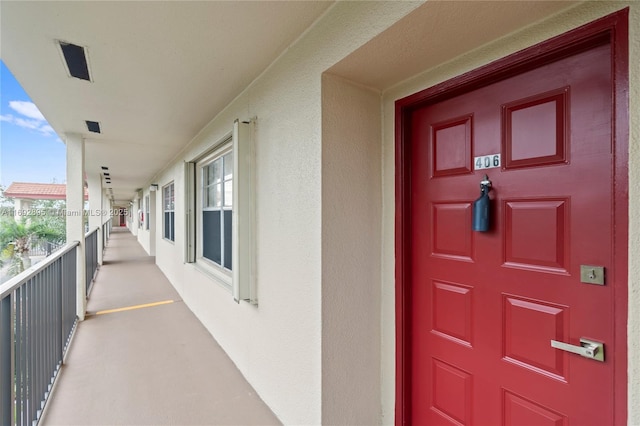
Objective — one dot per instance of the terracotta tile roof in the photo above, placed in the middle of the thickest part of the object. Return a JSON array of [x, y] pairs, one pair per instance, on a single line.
[[39, 191]]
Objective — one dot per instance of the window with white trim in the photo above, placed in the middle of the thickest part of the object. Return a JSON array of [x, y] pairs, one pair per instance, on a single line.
[[168, 210], [215, 178], [219, 184]]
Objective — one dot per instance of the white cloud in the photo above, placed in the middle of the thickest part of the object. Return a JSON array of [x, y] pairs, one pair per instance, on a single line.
[[31, 119], [47, 129], [27, 124], [28, 109]]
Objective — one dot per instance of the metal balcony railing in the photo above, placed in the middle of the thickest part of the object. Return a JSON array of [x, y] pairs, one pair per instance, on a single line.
[[91, 257], [37, 318], [43, 247], [106, 231]]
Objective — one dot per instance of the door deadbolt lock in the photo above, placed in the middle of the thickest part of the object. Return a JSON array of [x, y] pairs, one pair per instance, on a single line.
[[588, 348]]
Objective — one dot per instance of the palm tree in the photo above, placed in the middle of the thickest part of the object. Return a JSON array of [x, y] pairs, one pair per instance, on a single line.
[[16, 237]]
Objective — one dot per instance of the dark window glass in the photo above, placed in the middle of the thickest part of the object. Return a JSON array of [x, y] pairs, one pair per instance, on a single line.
[[172, 217], [211, 236], [167, 225], [227, 238], [217, 203]]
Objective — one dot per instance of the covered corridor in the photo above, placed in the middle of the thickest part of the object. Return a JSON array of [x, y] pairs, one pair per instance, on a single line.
[[142, 357]]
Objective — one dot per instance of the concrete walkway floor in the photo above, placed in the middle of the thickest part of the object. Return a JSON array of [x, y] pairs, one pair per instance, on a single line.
[[153, 365]]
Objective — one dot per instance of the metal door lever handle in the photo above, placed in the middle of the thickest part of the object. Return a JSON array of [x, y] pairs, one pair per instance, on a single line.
[[588, 348]]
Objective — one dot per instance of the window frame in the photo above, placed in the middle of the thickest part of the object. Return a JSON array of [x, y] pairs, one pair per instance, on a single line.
[[241, 281], [172, 230], [219, 271], [147, 211]]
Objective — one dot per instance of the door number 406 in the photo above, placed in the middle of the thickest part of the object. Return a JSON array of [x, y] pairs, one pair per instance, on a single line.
[[487, 161]]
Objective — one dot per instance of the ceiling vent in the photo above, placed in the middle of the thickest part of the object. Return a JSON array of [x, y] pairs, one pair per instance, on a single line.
[[75, 58], [93, 126]]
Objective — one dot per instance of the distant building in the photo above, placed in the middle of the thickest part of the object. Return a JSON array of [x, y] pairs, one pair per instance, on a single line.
[[25, 193]]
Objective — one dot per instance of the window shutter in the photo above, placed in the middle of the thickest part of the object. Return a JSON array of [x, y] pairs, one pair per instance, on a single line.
[[190, 222], [244, 210]]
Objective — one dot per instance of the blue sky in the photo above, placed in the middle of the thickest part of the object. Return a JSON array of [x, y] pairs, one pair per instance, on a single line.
[[30, 151]]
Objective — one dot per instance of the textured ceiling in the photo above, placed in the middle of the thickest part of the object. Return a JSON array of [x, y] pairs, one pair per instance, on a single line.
[[437, 32], [161, 70]]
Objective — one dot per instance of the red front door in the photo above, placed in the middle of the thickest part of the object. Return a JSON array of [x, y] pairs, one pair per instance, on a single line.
[[485, 306]]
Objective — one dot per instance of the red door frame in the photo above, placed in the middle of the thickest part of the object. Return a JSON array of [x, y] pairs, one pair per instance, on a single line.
[[612, 29]]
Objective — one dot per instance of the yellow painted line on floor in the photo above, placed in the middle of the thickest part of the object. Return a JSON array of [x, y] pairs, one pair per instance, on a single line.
[[131, 308]]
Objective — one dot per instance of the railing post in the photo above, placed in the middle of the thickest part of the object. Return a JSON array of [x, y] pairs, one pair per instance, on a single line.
[[6, 354]]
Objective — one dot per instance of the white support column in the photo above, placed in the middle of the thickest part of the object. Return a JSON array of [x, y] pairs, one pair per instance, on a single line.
[[107, 204], [152, 222], [21, 206], [135, 215], [96, 209], [75, 207]]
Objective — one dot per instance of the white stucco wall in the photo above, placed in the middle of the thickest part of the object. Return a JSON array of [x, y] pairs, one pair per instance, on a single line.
[[106, 205], [115, 220], [144, 235], [277, 345], [96, 209], [556, 25], [351, 244], [100, 209], [320, 347]]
